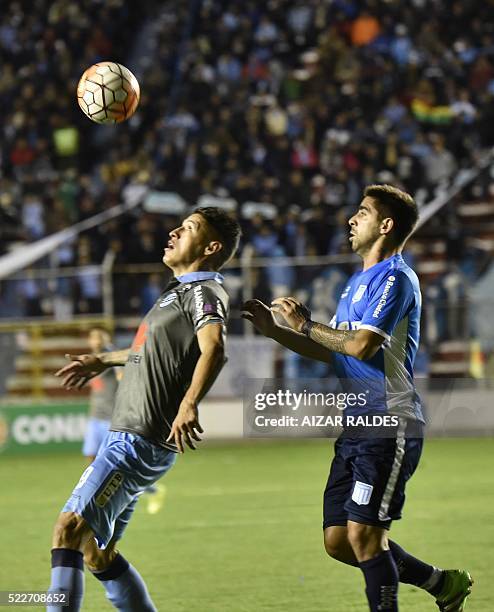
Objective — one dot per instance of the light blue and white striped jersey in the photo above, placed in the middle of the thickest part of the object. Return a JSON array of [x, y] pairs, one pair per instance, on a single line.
[[385, 299]]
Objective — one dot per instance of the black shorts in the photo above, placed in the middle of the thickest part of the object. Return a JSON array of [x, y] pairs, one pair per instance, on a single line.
[[367, 479]]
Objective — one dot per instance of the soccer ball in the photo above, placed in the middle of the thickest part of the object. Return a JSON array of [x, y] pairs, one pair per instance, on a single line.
[[108, 93]]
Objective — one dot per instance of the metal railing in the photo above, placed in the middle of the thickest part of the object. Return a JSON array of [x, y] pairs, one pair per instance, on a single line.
[[115, 291], [47, 287]]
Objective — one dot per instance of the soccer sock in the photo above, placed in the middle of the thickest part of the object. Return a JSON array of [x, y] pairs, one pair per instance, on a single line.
[[125, 587], [414, 571], [67, 576], [381, 579]]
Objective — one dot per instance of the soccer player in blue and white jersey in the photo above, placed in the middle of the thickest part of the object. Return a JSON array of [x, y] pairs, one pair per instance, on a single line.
[[372, 341]]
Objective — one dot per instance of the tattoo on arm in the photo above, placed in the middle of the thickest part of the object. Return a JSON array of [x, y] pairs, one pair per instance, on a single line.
[[333, 339]]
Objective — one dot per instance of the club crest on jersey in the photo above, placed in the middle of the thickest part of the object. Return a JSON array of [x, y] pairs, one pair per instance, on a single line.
[[168, 300], [357, 296]]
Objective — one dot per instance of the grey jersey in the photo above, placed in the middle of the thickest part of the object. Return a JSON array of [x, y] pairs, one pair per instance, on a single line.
[[164, 354], [103, 390]]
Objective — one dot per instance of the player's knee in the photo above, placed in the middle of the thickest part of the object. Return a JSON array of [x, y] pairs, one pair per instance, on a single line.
[[357, 536], [333, 550], [70, 531], [98, 560], [365, 540], [333, 546]]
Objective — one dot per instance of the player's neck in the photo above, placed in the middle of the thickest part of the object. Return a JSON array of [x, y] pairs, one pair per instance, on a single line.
[[377, 253], [194, 267]]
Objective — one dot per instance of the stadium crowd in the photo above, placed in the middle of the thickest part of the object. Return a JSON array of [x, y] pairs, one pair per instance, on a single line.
[[294, 104]]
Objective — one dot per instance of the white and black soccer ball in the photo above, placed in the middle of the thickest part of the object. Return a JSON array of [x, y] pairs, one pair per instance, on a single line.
[[108, 93]]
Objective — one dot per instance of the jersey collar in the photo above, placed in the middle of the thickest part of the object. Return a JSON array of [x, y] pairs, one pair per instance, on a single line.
[[192, 277], [385, 262]]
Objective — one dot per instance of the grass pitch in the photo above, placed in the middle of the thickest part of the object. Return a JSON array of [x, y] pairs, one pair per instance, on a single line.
[[240, 530]]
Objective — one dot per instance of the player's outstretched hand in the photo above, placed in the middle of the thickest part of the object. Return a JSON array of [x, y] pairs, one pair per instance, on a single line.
[[260, 316], [80, 369], [293, 311], [186, 427]]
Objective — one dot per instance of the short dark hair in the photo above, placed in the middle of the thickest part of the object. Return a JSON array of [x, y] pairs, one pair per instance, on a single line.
[[397, 204], [226, 227]]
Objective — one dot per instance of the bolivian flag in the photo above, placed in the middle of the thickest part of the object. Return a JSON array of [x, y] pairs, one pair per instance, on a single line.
[[431, 114]]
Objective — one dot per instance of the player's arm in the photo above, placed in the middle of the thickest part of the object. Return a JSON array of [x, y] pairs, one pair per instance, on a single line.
[[388, 304], [114, 358], [362, 344], [185, 427], [262, 318], [84, 367]]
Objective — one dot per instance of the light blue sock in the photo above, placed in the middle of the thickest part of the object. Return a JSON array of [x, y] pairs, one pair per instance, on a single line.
[[125, 587], [67, 576]]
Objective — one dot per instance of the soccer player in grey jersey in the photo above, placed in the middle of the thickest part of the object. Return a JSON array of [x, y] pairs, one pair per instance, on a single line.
[[175, 357]]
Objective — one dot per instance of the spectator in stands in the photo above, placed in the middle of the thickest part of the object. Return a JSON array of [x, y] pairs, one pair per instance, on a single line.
[[364, 29], [30, 289], [33, 213], [291, 102], [151, 292], [440, 164]]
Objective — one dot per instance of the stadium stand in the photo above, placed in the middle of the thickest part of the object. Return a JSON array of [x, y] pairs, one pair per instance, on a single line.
[[292, 105]]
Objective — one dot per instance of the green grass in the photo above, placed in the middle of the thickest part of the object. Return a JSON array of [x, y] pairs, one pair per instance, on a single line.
[[241, 528]]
